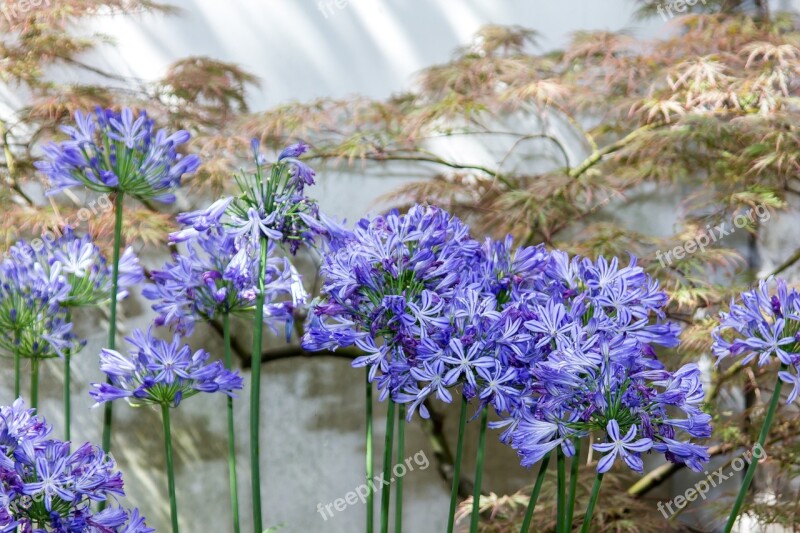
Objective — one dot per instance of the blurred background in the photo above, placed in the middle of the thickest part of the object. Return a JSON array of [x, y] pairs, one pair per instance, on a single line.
[[599, 127]]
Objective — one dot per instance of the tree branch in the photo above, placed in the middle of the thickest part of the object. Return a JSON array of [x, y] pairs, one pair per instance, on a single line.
[[598, 155], [786, 264], [11, 164], [655, 477], [427, 158]]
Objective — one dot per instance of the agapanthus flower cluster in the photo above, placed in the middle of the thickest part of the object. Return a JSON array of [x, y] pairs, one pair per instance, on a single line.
[[388, 289], [109, 151], [33, 321], [217, 274], [764, 325], [161, 372], [46, 487], [594, 368], [86, 269], [275, 206]]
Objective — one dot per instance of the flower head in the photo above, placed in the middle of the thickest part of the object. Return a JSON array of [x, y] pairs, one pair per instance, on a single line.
[[111, 151], [593, 367], [213, 275], [33, 295], [85, 268], [272, 202], [764, 325], [46, 487], [387, 287], [161, 372]]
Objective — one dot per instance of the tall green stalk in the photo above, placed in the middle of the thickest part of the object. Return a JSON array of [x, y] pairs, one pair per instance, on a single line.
[[476, 493], [561, 469], [173, 502], [573, 485], [462, 423], [369, 456], [67, 387], [255, 390], [537, 488], [387, 468], [762, 439], [226, 334], [587, 520], [401, 445], [112, 320], [34, 382], [17, 370]]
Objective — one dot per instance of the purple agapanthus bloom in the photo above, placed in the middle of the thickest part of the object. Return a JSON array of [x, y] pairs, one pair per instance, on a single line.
[[85, 268], [161, 372], [431, 308], [592, 367], [33, 318], [764, 326], [110, 152], [46, 487], [217, 274], [273, 203], [388, 285]]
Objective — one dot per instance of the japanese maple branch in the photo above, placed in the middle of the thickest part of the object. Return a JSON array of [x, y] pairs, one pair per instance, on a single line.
[[598, 155], [795, 257], [11, 164]]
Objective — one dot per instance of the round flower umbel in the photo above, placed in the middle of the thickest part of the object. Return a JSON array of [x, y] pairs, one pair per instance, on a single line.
[[32, 315], [388, 286], [212, 278], [161, 372], [45, 487], [84, 266], [111, 151], [594, 368], [763, 325], [275, 206]]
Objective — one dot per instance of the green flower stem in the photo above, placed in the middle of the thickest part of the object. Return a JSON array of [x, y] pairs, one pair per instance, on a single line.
[[537, 488], [387, 467], [762, 439], [401, 444], [34, 382], [462, 423], [17, 371], [112, 321], [173, 502], [573, 485], [67, 392], [587, 520], [369, 455], [226, 334], [255, 390], [561, 465], [476, 493]]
